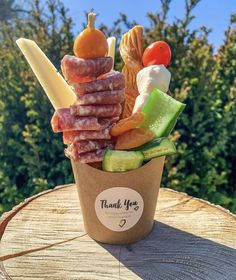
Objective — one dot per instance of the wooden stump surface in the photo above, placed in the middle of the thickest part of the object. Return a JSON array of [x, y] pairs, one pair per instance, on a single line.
[[43, 238]]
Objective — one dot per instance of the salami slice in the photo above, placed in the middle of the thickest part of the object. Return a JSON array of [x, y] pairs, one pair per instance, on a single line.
[[102, 97], [113, 80], [75, 136], [75, 149], [79, 70], [95, 156], [102, 111], [107, 122], [62, 120]]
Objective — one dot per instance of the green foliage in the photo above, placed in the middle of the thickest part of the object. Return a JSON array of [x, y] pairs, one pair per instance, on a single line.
[[31, 156], [203, 166]]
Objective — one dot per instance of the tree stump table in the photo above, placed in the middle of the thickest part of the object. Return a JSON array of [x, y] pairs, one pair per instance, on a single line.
[[43, 238]]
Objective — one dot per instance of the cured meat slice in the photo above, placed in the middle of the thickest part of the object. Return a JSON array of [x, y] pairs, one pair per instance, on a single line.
[[102, 111], [75, 136], [75, 149], [84, 146], [62, 120], [95, 156], [102, 97], [113, 80], [107, 122], [79, 70]]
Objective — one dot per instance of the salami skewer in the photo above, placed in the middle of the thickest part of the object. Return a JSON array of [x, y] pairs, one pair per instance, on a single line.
[[101, 111], [113, 80], [101, 98], [79, 70], [75, 136]]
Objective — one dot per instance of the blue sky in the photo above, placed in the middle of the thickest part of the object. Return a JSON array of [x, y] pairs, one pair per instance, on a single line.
[[214, 14]]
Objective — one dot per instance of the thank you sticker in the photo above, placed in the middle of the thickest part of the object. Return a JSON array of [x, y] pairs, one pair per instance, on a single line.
[[119, 209]]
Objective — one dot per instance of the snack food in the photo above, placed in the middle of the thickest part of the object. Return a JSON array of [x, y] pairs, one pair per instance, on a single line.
[[77, 135], [91, 42], [88, 157], [102, 97], [149, 78], [112, 80], [157, 148], [83, 146], [127, 124], [131, 50], [133, 138], [118, 161], [102, 111], [62, 120], [80, 70], [161, 111], [56, 88], [100, 92], [131, 151], [157, 53], [94, 113]]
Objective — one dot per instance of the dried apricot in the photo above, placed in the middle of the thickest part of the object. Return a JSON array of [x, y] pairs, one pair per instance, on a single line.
[[127, 124], [133, 138]]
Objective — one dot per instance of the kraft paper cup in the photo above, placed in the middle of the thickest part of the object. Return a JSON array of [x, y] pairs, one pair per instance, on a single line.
[[118, 208]]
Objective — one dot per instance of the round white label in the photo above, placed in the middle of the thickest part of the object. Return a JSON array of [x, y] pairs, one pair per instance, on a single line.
[[119, 209]]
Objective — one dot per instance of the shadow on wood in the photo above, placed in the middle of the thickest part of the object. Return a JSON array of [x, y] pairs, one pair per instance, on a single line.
[[169, 253]]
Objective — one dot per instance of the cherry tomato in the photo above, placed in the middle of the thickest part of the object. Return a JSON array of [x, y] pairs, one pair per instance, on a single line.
[[157, 53]]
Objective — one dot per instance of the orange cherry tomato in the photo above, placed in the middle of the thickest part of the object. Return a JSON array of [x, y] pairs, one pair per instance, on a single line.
[[157, 53]]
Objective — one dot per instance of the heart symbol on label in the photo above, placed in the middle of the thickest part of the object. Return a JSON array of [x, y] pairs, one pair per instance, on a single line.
[[122, 223], [136, 208]]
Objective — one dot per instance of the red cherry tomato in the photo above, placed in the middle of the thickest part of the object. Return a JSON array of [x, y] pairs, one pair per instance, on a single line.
[[157, 53]]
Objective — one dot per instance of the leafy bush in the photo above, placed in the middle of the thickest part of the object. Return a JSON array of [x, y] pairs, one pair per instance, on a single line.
[[31, 156]]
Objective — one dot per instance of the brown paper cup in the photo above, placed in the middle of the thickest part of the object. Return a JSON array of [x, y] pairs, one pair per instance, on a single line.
[[118, 208]]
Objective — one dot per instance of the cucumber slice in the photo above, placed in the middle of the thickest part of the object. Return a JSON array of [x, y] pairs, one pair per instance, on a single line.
[[161, 113], [119, 161], [157, 148]]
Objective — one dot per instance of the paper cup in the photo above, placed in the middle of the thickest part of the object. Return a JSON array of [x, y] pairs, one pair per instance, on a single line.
[[118, 208]]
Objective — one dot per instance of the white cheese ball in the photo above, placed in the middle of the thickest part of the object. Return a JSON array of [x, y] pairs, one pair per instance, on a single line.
[[153, 76]]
